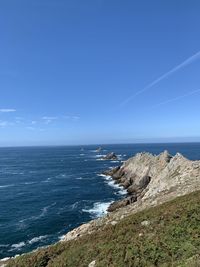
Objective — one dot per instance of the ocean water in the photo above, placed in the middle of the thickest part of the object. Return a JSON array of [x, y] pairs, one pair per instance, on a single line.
[[47, 191]]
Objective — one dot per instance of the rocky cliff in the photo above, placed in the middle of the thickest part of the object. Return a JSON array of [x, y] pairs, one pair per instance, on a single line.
[[150, 180]]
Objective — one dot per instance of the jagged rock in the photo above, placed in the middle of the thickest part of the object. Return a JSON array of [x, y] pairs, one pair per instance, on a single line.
[[122, 203], [135, 174], [110, 156], [112, 171], [170, 177]]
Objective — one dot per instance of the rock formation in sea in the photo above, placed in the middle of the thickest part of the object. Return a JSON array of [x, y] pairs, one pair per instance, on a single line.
[[110, 156]]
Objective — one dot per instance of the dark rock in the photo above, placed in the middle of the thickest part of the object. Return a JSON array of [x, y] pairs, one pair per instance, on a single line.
[[110, 156], [144, 182], [112, 171], [122, 203]]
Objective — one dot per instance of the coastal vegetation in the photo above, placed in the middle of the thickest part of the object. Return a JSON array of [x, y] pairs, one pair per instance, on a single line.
[[165, 235]]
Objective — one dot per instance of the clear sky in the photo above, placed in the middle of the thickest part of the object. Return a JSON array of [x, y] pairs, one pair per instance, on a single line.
[[99, 71]]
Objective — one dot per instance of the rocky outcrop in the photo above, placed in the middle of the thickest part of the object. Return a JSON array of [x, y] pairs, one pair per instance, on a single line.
[[135, 175], [110, 156], [151, 180], [145, 175]]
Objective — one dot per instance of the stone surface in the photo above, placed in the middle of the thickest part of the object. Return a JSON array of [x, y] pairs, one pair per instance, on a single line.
[[92, 264], [166, 178], [110, 156]]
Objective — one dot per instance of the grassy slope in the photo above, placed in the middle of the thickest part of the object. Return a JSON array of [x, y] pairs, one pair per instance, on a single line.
[[171, 239]]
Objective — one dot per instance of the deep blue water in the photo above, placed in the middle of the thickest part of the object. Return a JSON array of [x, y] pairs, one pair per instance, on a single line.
[[47, 191]]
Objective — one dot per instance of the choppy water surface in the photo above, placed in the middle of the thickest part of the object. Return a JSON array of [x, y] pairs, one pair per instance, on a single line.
[[47, 191]]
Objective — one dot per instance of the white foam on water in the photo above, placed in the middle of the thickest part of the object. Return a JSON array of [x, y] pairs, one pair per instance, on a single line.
[[74, 205], [4, 259], [112, 184], [121, 189], [36, 239], [62, 238], [29, 183], [79, 178], [82, 154], [5, 186], [106, 177], [99, 209], [100, 156], [47, 180], [122, 192], [36, 217], [18, 246]]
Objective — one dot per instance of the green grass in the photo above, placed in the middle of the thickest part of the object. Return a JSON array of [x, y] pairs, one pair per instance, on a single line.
[[172, 238]]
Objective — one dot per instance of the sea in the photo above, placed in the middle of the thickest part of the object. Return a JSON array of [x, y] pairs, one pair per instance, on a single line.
[[47, 191]]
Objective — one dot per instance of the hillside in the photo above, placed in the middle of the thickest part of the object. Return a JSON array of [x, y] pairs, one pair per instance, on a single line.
[[168, 235]]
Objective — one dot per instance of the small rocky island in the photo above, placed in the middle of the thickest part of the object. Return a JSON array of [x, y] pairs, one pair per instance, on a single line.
[[110, 156]]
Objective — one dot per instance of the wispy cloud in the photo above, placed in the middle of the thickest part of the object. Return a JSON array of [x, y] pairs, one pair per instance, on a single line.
[[4, 124], [49, 119], [7, 110], [68, 117], [176, 98], [185, 63]]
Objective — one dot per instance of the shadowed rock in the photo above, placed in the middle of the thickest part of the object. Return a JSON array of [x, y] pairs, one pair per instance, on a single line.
[[135, 175], [110, 156]]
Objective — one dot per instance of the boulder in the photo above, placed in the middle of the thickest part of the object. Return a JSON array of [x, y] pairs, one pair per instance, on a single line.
[[122, 203]]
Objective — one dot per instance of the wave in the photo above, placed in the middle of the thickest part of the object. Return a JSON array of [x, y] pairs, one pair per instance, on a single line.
[[99, 209], [47, 180], [106, 177], [7, 185], [28, 183], [18, 246], [36, 217], [79, 178], [100, 156], [112, 183], [37, 239], [74, 205], [62, 237], [121, 189]]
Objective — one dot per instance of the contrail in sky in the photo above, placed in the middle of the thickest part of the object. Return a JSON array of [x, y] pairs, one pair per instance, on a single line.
[[176, 98], [167, 74]]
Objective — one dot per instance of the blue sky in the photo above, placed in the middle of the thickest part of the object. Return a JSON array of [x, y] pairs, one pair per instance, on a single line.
[[99, 71]]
